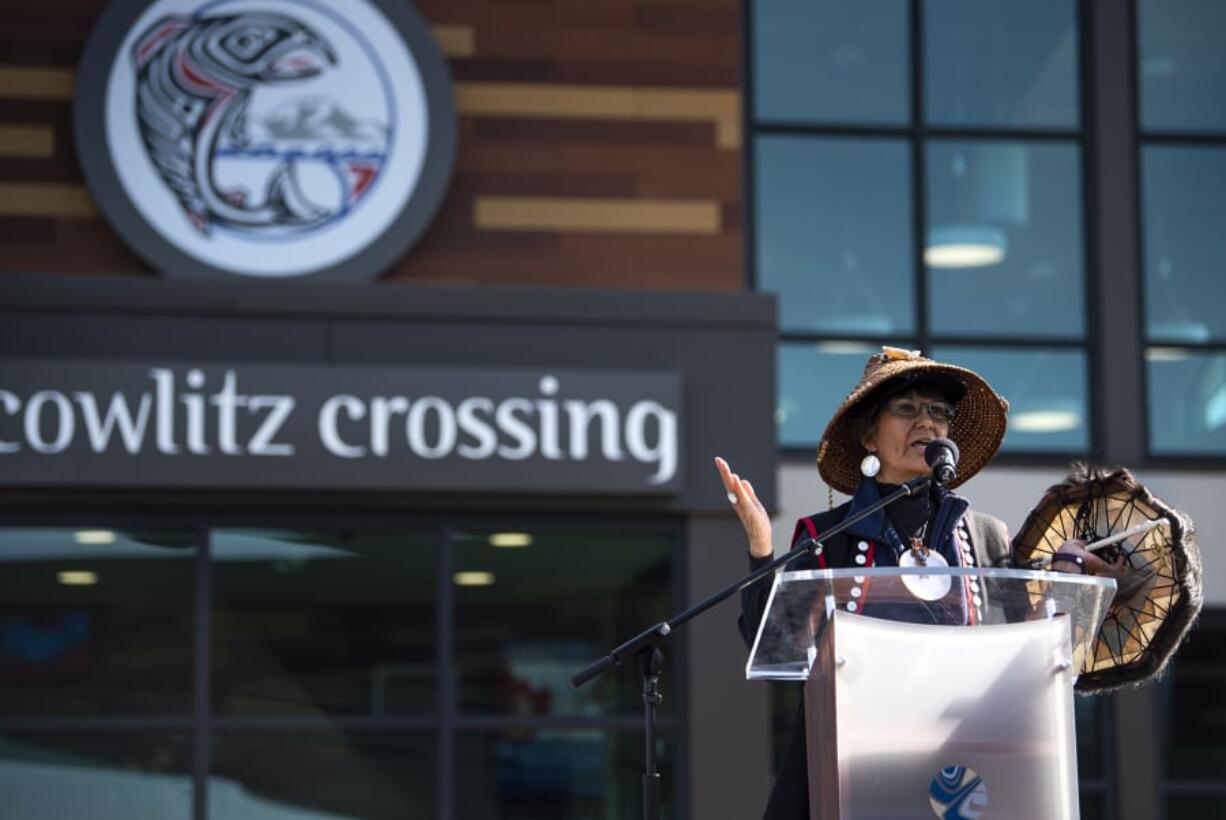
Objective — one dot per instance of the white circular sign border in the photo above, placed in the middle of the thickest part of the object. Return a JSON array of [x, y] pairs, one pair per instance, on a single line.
[[384, 240]]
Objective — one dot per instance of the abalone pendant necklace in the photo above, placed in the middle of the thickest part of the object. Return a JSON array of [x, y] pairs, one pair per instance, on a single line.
[[917, 544], [924, 587]]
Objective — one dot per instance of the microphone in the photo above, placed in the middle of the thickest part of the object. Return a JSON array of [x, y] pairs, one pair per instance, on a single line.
[[942, 456]]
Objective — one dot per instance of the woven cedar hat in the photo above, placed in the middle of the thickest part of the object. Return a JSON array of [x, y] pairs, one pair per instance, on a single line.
[[977, 428]]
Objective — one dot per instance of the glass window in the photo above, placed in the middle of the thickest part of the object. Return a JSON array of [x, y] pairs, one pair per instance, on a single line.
[[1001, 63], [1182, 70], [1004, 247], [1187, 401], [308, 622], [515, 654], [834, 234], [832, 61], [1093, 805], [1196, 805], [1190, 710], [341, 625], [1046, 389], [291, 775], [96, 621], [814, 378], [1088, 713], [108, 775], [556, 774], [833, 227], [1183, 198]]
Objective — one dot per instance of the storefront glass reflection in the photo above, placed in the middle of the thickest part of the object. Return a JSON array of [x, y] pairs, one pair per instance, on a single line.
[[1181, 67], [831, 61], [1183, 196], [807, 371], [1192, 718], [326, 684], [1004, 239], [96, 621], [332, 775], [311, 622], [1001, 63], [1046, 390], [834, 234], [102, 775], [552, 774], [516, 651], [1187, 401]]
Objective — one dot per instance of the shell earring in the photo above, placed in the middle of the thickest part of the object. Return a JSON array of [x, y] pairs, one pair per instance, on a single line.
[[870, 465]]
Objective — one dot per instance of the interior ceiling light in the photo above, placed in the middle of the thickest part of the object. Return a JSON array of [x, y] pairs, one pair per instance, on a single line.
[[844, 347], [77, 577], [965, 246], [1166, 354], [474, 578], [94, 537], [1045, 421], [511, 539]]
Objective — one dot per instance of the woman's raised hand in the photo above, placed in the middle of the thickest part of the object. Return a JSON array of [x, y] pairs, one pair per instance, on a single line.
[[748, 508]]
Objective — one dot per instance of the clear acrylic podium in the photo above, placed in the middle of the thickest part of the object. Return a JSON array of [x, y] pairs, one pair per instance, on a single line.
[[931, 692]]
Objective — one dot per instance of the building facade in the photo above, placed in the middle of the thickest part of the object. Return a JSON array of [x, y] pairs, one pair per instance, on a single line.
[[284, 546], [1023, 189]]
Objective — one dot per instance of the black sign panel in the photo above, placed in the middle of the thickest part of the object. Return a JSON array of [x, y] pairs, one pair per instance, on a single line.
[[215, 425]]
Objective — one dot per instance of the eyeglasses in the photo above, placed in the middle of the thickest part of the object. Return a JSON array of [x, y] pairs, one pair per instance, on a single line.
[[941, 411]]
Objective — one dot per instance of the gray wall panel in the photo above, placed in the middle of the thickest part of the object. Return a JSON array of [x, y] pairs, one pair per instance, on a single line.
[[154, 337], [729, 719]]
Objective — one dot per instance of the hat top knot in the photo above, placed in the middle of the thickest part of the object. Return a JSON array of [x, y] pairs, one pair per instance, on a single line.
[[891, 354]]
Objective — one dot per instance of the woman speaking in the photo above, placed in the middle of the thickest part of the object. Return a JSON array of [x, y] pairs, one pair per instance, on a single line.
[[876, 441]]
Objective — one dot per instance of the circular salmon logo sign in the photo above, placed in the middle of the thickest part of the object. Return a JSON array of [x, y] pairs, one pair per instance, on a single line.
[[265, 138]]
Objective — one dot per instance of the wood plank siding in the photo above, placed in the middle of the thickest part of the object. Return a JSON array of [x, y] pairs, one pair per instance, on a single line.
[[599, 145]]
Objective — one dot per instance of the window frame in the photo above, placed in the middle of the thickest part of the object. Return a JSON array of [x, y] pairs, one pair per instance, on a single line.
[[1141, 139], [1170, 786], [446, 721], [917, 134]]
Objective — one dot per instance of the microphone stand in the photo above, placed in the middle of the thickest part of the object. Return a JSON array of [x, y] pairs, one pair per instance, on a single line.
[[645, 647]]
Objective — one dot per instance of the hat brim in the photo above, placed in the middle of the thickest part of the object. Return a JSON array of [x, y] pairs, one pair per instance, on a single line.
[[978, 426]]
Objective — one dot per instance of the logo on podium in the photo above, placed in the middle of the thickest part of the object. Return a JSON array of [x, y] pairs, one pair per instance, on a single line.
[[958, 792]]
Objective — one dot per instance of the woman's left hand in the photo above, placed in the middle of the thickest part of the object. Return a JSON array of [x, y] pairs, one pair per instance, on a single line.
[[1093, 564]]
